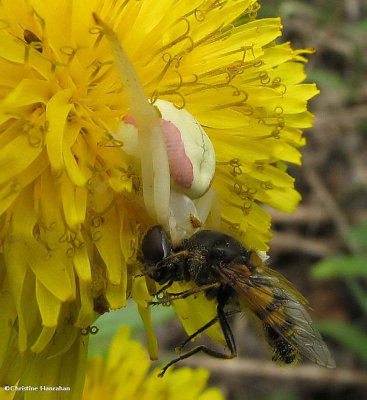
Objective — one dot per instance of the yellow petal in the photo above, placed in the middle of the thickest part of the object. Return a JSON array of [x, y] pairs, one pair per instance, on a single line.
[[86, 314], [108, 246], [57, 111], [49, 305], [152, 343], [61, 283], [140, 292], [116, 294], [193, 321], [10, 162], [11, 48], [29, 91], [82, 263], [74, 200], [43, 339], [7, 316]]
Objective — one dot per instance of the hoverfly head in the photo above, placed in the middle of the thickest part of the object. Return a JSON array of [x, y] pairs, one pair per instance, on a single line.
[[156, 247]]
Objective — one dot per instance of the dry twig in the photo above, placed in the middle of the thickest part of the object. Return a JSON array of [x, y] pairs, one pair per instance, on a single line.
[[284, 241], [308, 373]]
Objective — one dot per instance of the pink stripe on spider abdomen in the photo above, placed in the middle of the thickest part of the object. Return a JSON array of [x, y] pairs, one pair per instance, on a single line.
[[180, 165], [129, 119]]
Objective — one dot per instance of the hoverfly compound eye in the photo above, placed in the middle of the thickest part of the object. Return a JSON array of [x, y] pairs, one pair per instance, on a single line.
[[156, 244]]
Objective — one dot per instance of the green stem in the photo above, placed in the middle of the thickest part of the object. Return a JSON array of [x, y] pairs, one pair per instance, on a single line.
[[358, 292]]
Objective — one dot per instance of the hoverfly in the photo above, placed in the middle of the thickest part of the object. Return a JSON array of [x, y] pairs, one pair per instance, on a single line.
[[237, 279]]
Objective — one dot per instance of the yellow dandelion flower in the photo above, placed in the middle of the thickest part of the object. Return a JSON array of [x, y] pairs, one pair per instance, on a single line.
[[6, 394], [125, 375], [88, 163]]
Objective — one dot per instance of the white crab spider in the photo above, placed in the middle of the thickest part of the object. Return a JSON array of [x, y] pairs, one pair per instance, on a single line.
[[176, 156]]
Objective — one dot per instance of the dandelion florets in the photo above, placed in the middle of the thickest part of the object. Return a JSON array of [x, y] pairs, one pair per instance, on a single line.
[[126, 374]]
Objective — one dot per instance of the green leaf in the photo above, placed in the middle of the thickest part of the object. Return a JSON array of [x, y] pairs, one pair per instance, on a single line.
[[346, 335], [357, 235], [296, 8], [326, 78], [276, 394], [361, 25], [342, 267], [358, 292], [109, 323]]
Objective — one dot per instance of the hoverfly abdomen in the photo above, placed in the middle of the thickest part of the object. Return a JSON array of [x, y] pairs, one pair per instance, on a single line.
[[264, 313], [282, 350]]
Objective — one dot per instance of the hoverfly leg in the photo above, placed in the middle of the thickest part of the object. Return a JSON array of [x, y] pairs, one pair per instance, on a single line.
[[170, 296], [190, 292], [200, 330], [161, 300], [156, 303], [227, 332], [163, 288], [181, 295], [206, 350]]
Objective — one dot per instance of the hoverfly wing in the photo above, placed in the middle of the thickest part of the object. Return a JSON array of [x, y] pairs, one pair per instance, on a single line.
[[274, 300], [299, 331]]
